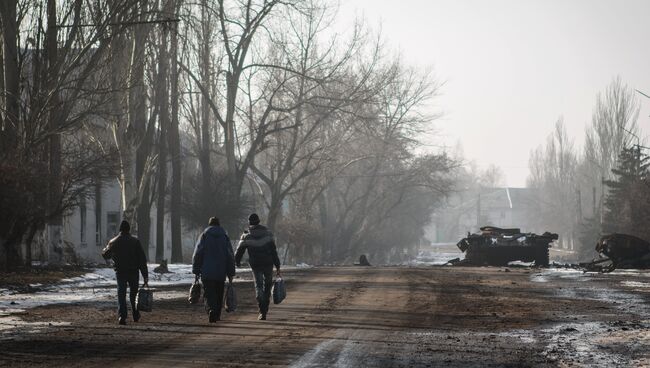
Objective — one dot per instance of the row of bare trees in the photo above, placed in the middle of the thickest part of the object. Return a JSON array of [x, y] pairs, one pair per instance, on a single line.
[[571, 186], [213, 107]]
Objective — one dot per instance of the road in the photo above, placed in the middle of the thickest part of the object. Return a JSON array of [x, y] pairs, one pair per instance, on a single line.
[[361, 317]]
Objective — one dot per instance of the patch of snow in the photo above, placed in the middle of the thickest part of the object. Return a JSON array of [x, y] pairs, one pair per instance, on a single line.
[[316, 356], [98, 285], [635, 284], [578, 341], [431, 256], [621, 299]]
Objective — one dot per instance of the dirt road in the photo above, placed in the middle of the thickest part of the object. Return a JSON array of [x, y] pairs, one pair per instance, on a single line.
[[361, 317]]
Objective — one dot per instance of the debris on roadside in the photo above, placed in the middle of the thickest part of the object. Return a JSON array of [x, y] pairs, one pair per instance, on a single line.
[[363, 261], [162, 267], [620, 251], [496, 247]]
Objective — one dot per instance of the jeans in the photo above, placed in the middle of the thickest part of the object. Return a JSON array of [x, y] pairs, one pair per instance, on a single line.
[[132, 279], [263, 277], [213, 292]]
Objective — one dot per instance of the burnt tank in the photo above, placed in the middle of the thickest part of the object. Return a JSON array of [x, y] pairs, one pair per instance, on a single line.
[[495, 246]]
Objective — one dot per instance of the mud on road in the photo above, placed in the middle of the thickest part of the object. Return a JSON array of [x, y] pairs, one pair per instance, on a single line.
[[360, 317]]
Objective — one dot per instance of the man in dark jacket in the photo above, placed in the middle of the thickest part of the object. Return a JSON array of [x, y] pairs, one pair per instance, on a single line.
[[213, 260], [262, 256], [128, 258]]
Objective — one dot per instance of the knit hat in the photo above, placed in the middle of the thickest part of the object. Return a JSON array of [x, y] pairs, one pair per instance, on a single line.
[[125, 227], [253, 219]]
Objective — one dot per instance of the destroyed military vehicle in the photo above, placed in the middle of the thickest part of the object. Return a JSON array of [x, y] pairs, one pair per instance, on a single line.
[[496, 247], [623, 250]]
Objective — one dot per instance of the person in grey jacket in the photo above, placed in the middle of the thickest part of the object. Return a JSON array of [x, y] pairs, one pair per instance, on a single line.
[[262, 256], [213, 260], [128, 258]]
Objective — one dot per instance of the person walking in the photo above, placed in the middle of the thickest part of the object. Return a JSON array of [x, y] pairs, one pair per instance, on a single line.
[[212, 261], [128, 258], [262, 256]]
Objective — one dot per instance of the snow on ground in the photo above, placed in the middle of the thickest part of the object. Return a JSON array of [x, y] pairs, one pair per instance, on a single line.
[[582, 339], [99, 284], [436, 254]]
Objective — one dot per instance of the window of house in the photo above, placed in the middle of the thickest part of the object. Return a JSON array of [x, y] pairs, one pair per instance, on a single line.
[[112, 224]]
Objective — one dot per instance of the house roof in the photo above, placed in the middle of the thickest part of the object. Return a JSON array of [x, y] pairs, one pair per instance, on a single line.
[[498, 198]]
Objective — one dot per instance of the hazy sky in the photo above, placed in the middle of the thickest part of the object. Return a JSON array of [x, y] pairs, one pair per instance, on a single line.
[[512, 67]]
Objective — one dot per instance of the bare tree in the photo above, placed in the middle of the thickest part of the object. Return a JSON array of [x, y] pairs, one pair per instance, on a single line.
[[553, 174], [317, 89], [51, 89], [613, 127]]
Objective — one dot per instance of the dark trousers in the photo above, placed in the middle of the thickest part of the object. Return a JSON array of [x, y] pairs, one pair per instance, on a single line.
[[263, 277], [213, 292], [123, 279]]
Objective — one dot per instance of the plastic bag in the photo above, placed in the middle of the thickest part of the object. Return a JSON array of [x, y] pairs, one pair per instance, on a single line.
[[144, 300], [231, 298], [279, 291], [195, 292]]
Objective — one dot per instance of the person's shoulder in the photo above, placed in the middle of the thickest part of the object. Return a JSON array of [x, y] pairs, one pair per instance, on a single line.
[[265, 230]]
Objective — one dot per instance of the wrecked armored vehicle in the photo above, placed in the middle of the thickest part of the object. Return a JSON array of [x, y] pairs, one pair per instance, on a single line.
[[496, 247], [624, 251]]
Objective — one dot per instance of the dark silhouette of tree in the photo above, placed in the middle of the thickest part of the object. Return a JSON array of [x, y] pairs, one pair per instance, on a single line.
[[627, 205]]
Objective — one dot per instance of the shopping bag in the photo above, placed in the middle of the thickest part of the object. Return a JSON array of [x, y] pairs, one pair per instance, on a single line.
[[144, 300], [231, 298], [195, 292], [279, 291]]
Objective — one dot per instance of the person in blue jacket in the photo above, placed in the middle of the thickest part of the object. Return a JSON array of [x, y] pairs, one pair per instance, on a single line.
[[213, 261]]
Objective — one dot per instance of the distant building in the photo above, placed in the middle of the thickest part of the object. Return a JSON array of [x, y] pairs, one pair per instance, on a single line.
[[467, 211], [96, 221]]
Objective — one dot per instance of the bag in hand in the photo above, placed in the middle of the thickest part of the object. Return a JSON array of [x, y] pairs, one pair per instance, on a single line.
[[144, 300], [195, 292], [279, 291], [231, 298]]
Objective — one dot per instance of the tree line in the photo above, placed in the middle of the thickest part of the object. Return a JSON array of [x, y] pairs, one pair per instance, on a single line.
[[601, 189], [214, 107]]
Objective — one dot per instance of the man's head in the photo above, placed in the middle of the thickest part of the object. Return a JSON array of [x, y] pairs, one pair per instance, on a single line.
[[253, 219], [213, 221], [125, 227]]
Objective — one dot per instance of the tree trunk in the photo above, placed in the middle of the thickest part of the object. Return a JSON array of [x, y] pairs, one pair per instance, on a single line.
[[275, 211], [175, 150], [98, 214], [204, 153], [11, 246], [11, 74], [162, 97], [120, 66], [55, 223], [143, 139], [161, 194]]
